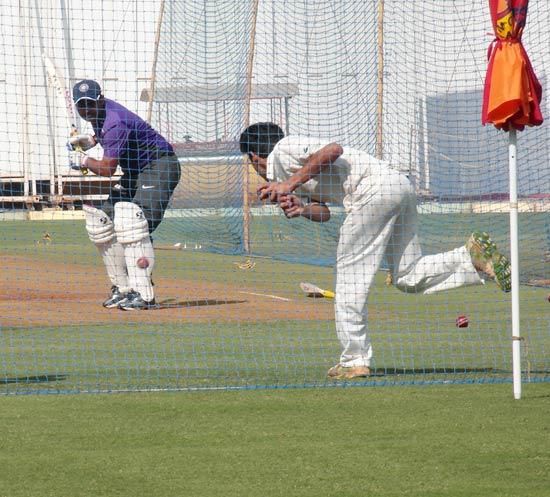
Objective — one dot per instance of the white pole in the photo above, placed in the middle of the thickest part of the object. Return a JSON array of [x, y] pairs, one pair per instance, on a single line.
[[247, 98], [50, 118], [67, 41], [380, 88], [426, 155], [153, 79], [514, 252], [25, 30]]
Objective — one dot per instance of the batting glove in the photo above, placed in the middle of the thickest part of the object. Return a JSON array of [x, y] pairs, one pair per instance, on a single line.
[[81, 142], [80, 166]]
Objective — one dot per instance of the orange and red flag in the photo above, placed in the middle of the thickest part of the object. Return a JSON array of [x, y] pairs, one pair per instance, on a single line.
[[512, 92]]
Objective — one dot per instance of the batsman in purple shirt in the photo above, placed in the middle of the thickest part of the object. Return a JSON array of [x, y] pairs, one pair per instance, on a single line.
[[121, 229]]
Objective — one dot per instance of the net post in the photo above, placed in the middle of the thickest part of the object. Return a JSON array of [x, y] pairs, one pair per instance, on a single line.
[[30, 187], [154, 65], [514, 253], [24, 25], [248, 95], [380, 86], [287, 116]]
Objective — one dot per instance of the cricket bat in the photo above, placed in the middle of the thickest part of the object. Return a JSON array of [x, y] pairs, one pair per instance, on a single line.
[[316, 292], [56, 81]]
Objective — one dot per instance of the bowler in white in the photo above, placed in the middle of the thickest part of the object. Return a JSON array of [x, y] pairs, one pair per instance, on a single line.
[[306, 175]]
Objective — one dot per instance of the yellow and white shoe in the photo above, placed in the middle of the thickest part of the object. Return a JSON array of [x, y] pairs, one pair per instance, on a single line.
[[486, 258], [341, 372]]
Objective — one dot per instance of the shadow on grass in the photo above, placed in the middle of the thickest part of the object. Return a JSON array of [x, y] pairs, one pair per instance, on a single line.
[[536, 397], [488, 371], [400, 371], [40, 378], [175, 304]]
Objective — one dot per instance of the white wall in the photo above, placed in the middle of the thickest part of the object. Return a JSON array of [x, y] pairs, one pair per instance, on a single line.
[[112, 42], [432, 47], [440, 48]]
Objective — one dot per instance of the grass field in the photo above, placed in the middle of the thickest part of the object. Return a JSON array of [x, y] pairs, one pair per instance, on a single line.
[[414, 336], [431, 441], [444, 424]]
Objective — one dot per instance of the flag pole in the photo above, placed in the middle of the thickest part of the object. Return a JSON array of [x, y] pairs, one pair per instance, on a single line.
[[514, 253]]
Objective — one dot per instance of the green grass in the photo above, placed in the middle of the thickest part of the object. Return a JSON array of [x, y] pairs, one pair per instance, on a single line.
[[437, 441], [414, 336], [210, 355], [417, 441]]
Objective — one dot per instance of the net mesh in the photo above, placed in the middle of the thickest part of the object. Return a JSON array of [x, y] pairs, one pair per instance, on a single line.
[[403, 83]]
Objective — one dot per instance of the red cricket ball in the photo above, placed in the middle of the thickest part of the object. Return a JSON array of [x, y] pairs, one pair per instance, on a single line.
[[462, 321], [143, 263]]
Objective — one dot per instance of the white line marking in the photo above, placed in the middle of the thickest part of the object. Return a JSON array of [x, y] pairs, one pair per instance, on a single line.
[[268, 295]]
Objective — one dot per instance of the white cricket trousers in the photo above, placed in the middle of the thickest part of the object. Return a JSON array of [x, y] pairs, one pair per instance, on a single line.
[[381, 221]]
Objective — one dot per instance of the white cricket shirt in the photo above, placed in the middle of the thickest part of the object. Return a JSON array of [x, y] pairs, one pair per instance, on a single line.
[[335, 182]]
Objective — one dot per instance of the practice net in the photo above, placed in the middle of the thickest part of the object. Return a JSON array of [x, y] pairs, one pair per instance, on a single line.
[[403, 83]]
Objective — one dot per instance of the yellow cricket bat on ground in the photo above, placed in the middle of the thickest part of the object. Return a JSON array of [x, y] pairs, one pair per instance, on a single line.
[[316, 292]]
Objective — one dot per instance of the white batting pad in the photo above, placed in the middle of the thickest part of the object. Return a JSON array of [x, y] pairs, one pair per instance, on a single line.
[[130, 223], [101, 232], [99, 226], [115, 263], [139, 278], [132, 232]]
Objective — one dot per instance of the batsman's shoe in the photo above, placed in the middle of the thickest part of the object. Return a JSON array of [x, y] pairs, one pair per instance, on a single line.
[[486, 257], [340, 372], [135, 302], [116, 298]]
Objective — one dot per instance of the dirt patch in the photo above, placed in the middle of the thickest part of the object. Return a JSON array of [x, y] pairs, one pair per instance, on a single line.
[[39, 293]]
